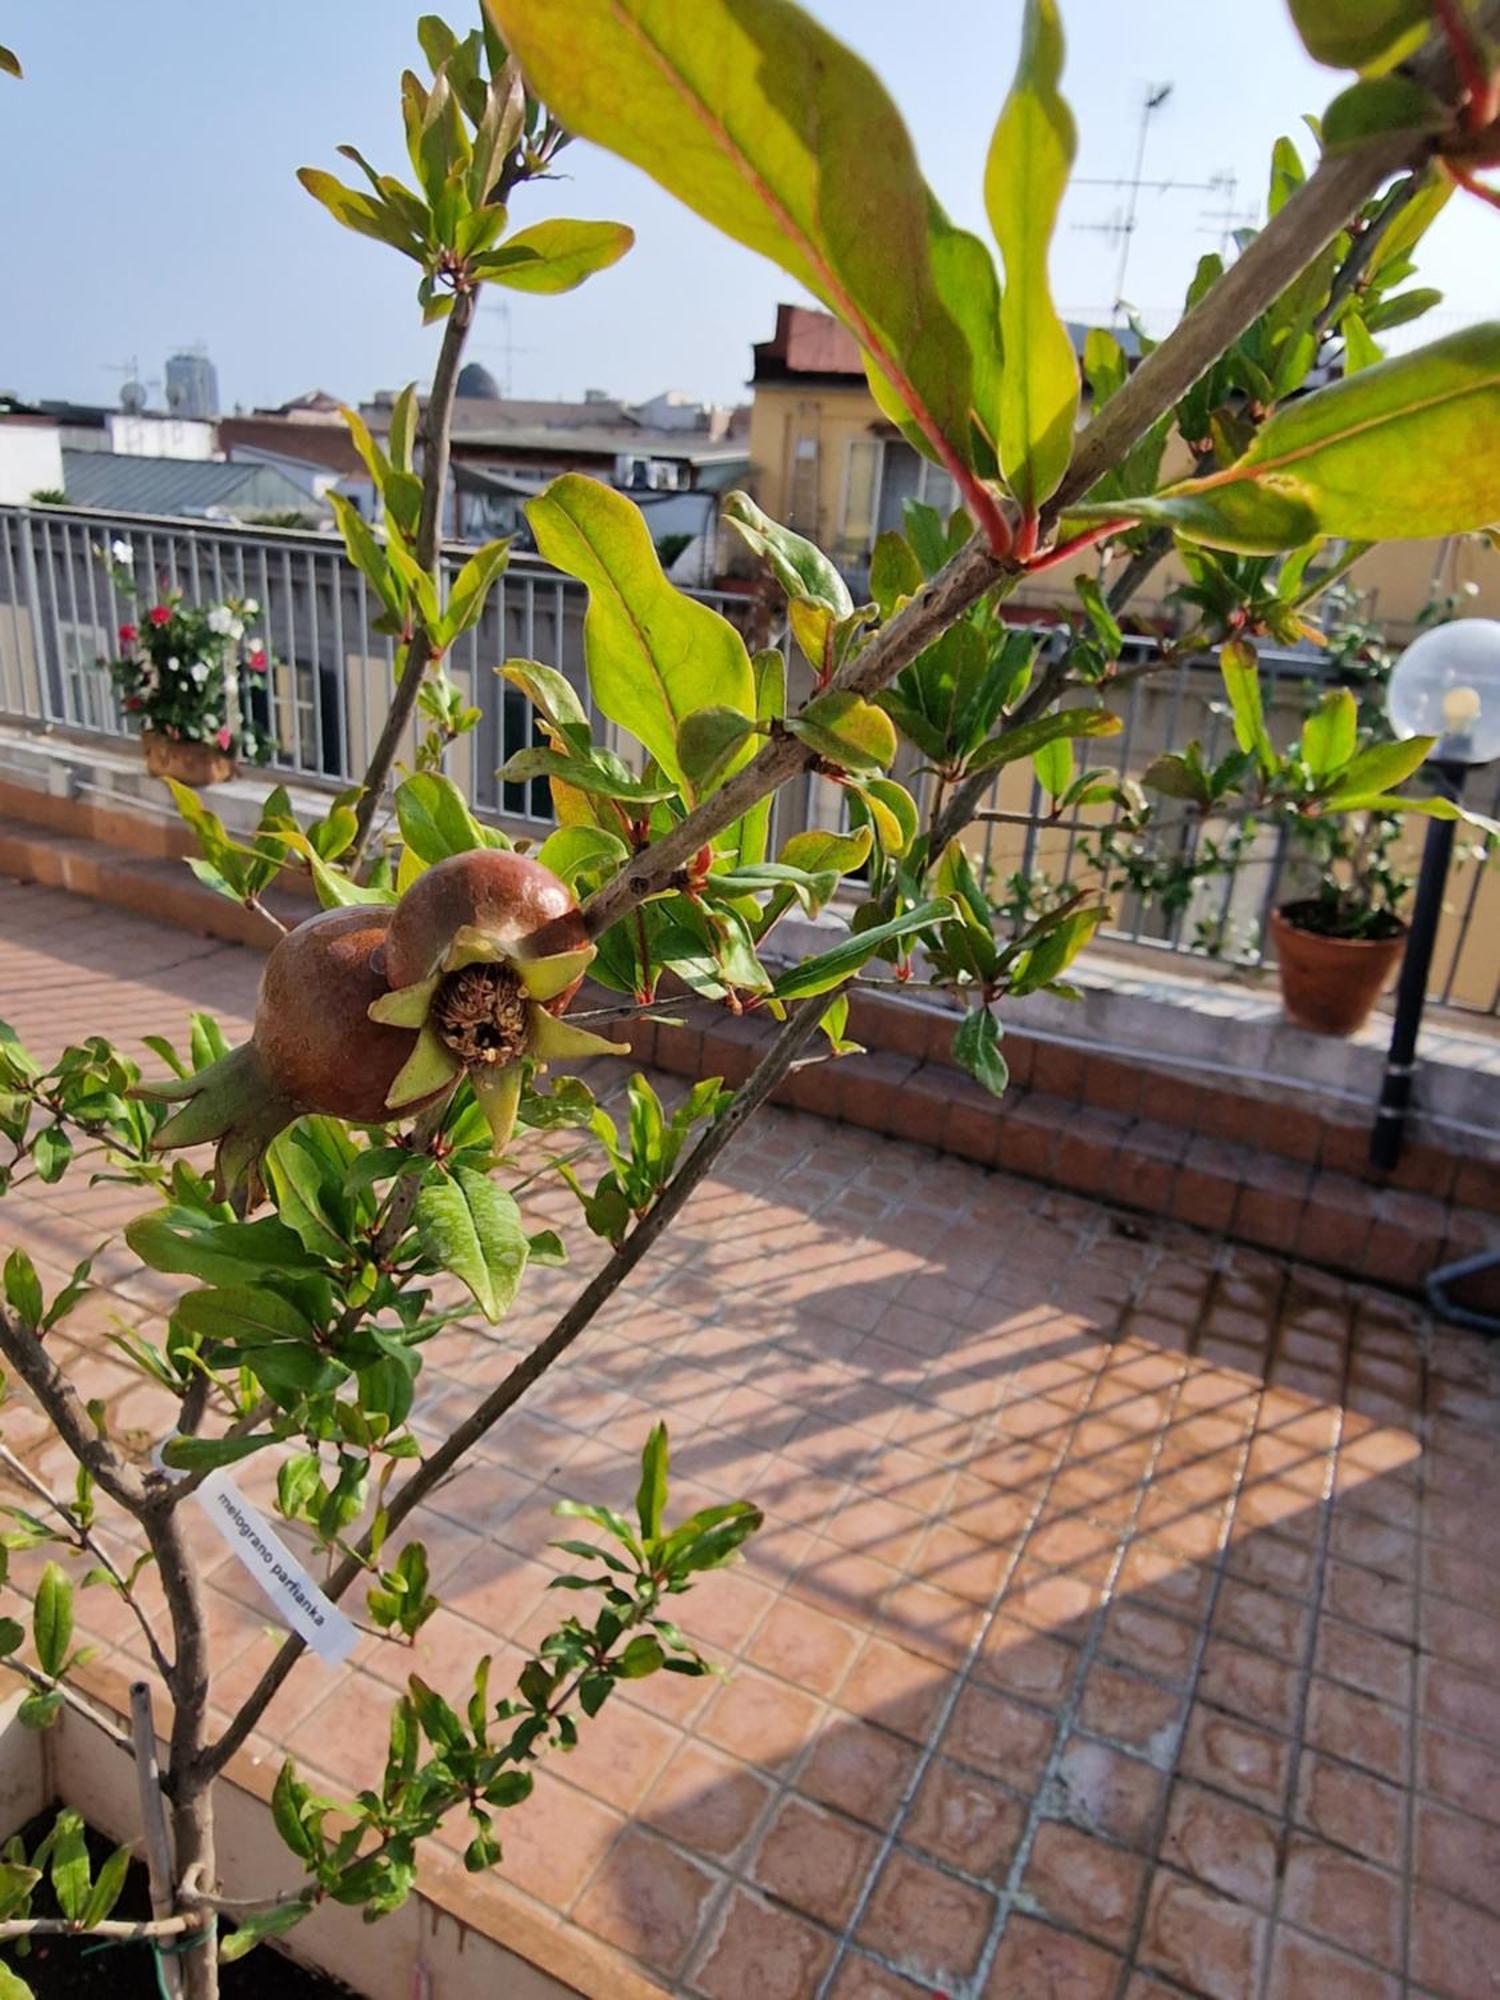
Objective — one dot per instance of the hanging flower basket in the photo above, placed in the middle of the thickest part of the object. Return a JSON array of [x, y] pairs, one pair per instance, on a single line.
[[190, 676], [196, 764]]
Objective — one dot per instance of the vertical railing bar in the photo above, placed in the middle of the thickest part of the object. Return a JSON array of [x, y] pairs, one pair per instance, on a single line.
[[317, 658], [299, 762], [340, 665]]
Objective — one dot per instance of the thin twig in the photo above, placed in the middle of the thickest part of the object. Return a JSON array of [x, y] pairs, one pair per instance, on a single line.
[[773, 1066], [20, 1927], [44, 1684], [85, 1540], [420, 652], [153, 1824], [59, 1399]]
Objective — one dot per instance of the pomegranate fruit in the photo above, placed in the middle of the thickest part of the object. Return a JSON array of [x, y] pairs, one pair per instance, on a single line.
[[314, 1048], [484, 951]]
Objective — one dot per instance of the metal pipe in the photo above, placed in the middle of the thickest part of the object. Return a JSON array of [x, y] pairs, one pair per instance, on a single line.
[[1388, 1131]]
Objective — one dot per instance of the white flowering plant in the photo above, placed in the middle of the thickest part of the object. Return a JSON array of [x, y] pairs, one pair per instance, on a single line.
[[188, 671]]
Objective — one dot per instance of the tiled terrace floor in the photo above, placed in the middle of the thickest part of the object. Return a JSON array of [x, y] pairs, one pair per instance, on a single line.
[[1126, 1621]]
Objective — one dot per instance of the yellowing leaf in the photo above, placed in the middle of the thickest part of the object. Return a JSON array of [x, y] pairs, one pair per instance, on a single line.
[[1024, 179], [653, 655], [771, 130], [554, 256]]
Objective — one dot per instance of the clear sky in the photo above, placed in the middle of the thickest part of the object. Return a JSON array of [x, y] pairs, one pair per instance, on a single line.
[[149, 156]]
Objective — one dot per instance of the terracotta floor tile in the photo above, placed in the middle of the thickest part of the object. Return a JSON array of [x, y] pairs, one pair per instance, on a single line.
[[1020, 1660], [964, 1820], [763, 1951], [1229, 1846], [1459, 1772], [1139, 1636], [1357, 1728], [936, 1622], [1084, 1882], [804, 1646], [860, 1978], [1129, 1709], [1457, 1700], [861, 1770], [1384, 1604], [1261, 1618], [1458, 1855], [1108, 1792], [648, 1899], [1249, 1684], [926, 1921], [1149, 1575], [1454, 1948], [1337, 1897], [1363, 1659], [1035, 1959], [1352, 1808], [1211, 1945], [1237, 1757], [706, 1802], [620, 1753], [555, 1840], [1304, 1969], [992, 1734], [759, 1719], [814, 1860], [899, 1690]]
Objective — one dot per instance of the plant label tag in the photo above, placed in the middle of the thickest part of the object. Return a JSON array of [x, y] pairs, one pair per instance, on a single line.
[[294, 1596]]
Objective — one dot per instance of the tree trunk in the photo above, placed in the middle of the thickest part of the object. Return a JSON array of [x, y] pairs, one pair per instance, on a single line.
[[189, 1779]]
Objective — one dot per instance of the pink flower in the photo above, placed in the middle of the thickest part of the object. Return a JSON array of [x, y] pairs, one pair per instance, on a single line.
[[223, 739], [159, 614], [133, 701], [128, 635], [257, 660]]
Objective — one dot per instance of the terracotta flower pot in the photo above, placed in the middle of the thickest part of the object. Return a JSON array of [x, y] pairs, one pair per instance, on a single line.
[[196, 764], [1331, 984]]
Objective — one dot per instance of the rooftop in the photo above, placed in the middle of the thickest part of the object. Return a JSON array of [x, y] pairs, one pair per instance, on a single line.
[[116, 483]]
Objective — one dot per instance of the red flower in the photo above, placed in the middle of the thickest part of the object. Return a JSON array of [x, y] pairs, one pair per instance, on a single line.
[[133, 701], [257, 660], [128, 635], [159, 614], [223, 739]]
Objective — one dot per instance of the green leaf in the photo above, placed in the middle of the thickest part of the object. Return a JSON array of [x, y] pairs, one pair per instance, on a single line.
[[11, 1635], [651, 1498], [708, 743], [471, 1227], [249, 1931], [776, 134], [653, 655], [185, 1241], [108, 1885], [297, 1181], [51, 1153], [1026, 738], [363, 214], [1330, 733], [1240, 666], [1409, 448], [550, 692], [1360, 34], [574, 851], [1360, 350], [10, 64], [471, 587], [1054, 765], [598, 771], [847, 730], [1377, 769], [1024, 178], [191, 1454], [245, 1316], [23, 1289], [976, 1047], [831, 968], [895, 572], [69, 1868], [52, 1620], [554, 256], [1062, 936], [368, 557], [1377, 105], [435, 821]]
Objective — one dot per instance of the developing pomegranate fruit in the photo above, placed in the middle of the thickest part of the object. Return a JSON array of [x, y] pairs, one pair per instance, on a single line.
[[314, 1047], [483, 952]]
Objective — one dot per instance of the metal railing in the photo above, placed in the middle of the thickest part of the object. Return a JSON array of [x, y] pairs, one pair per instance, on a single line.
[[1224, 916], [326, 698]]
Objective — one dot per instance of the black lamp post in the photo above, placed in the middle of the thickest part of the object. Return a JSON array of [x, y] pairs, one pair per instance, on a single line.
[[1446, 684]]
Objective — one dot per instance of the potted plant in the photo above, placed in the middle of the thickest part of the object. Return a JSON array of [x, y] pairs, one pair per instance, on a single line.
[[182, 672], [1338, 948]]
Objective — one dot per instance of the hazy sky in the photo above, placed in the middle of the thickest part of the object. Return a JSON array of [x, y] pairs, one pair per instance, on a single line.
[[149, 156]]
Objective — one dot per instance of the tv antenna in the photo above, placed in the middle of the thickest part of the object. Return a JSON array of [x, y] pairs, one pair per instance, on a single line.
[[507, 344], [1121, 226], [135, 390], [1223, 222]]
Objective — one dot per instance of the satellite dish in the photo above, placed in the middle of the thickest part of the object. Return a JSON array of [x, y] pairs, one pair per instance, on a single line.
[[133, 398]]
